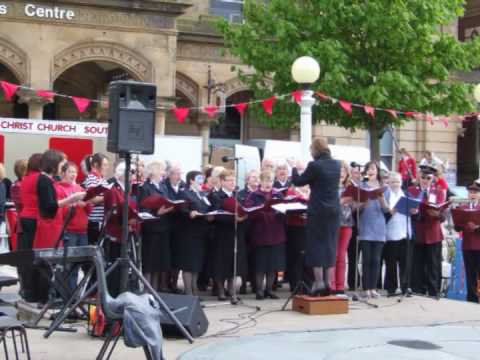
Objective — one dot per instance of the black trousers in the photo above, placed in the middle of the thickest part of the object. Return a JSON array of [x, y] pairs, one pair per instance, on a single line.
[[352, 260], [471, 259], [93, 232], [371, 263], [398, 256], [26, 273], [427, 269]]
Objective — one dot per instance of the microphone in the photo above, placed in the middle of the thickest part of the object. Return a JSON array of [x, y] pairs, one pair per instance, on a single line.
[[230, 158]]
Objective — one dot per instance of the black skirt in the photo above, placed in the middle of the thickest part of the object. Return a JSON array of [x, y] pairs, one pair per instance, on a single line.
[[156, 254], [322, 233], [223, 252], [269, 258], [193, 242]]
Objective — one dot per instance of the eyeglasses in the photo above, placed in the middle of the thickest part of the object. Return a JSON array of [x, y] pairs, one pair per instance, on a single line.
[[427, 177]]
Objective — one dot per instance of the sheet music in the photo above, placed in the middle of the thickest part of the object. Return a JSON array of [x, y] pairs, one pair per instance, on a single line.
[[285, 207]]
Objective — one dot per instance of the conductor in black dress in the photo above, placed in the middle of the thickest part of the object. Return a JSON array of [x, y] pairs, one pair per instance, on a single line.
[[323, 222]]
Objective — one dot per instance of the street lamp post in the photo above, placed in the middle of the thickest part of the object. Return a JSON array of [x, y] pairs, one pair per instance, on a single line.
[[305, 71]]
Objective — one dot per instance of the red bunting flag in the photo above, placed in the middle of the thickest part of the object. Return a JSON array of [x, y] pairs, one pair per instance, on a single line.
[[444, 121], [322, 96], [409, 114], [392, 112], [268, 104], [369, 110], [241, 107], [346, 106], [430, 118], [211, 110], [9, 89], [46, 94], [81, 103], [181, 114], [297, 96]]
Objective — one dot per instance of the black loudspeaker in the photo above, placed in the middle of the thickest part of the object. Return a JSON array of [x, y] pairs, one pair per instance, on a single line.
[[188, 311], [131, 117]]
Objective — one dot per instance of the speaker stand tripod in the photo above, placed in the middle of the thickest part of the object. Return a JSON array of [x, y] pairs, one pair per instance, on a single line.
[[301, 286]]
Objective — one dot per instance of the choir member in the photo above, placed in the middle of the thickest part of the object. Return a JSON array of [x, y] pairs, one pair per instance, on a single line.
[[20, 169], [77, 215], [50, 217], [156, 254], [398, 241], [323, 175], [355, 178], [195, 230], [344, 232], [97, 166], [113, 202], [252, 182], [282, 180], [296, 238], [224, 238], [372, 231], [175, 187], [28, 223], [471, 244], [268, 165], [427, 263], [267, 236]]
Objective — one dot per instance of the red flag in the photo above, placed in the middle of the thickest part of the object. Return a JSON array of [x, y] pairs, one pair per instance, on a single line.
[[322, 96], [81, 103], [9, 89], [211, 110], [241, 107], [429, 118], [346, 106], [445, 120], [369, 110], [297, 96], [181, 114], [409, 114], [268, 104], [392, 112], [46, 94]]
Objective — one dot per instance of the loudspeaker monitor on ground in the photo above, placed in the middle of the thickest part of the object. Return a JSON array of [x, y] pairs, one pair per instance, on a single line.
[[131, 117]]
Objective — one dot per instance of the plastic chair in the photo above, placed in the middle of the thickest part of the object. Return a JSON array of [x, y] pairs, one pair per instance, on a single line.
[[16, 329]]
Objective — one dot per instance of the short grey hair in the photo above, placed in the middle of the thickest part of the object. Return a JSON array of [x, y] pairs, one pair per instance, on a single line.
[[152, 166]]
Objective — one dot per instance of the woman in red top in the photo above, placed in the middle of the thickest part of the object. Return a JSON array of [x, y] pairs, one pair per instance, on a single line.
[[77, 214], [407, 167], [28, 222]]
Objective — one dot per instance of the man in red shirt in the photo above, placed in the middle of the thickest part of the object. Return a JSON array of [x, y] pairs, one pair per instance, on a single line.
[[407, 167]]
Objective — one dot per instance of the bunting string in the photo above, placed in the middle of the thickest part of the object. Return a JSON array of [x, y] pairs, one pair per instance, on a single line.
[[268, 104]]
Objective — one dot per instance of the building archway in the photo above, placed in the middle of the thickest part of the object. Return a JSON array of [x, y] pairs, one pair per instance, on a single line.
[[15, 60], [89, 79]]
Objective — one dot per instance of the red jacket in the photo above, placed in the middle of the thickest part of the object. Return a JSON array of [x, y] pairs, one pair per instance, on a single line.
[[404, 165], [79, 221], [428, 230], [28, 195], [471, 239]]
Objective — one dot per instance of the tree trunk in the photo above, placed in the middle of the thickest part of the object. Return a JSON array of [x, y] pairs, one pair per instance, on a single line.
[[374, 143]]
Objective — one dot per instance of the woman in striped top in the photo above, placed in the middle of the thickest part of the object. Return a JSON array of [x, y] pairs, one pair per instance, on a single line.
[[97, 166]]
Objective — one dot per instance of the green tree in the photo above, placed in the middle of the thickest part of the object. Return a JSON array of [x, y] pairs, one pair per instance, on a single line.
[[386, 53]]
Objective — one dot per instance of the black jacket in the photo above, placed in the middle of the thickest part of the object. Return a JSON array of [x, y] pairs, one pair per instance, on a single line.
[[148, 189], [323, 176]]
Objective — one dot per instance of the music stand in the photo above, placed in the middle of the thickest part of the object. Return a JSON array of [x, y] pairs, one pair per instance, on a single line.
[[301, 286]]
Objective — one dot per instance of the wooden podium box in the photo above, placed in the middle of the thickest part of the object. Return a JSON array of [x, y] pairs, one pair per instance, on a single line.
[[326, 305]]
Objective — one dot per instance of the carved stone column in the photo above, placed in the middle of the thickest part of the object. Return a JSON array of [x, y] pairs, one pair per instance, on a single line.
[[35, 103], [164, 104], [204, 122]]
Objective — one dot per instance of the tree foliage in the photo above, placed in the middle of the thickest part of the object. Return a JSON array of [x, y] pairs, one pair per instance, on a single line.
[[386, 53]]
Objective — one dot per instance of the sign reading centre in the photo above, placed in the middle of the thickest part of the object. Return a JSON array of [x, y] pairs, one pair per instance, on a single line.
[[42, 12]]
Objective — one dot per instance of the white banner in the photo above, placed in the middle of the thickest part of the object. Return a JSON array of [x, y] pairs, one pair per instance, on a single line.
[[46, 127]]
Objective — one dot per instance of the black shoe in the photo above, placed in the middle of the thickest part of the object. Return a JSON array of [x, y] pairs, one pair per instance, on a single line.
[[259, 296], [222, 298], [326, 291], [270, 295], [391, 293], [243, 290]]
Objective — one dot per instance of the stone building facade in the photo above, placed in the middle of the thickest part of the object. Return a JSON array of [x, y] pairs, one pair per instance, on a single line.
[[77, 47]]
